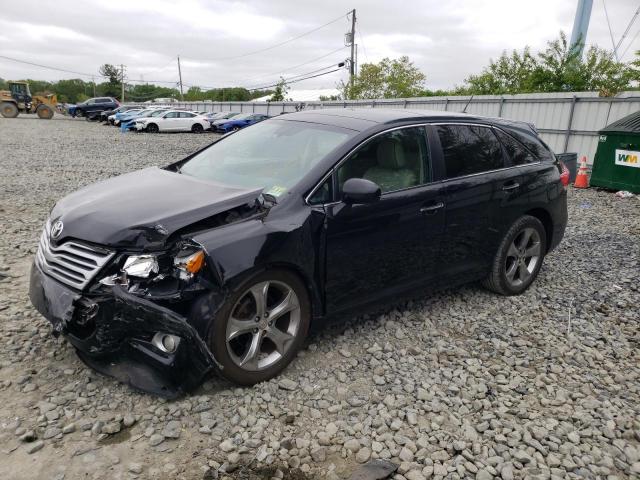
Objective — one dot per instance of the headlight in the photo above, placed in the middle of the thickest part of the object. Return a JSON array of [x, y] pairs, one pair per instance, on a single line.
[[190, 263], [141, 266]]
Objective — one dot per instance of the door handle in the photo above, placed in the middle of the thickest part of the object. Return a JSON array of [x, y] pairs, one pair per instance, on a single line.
[[432, 208], [510, 186]]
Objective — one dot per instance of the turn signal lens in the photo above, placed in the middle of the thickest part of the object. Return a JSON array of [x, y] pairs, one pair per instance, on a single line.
[[191, 264], [195, 262]]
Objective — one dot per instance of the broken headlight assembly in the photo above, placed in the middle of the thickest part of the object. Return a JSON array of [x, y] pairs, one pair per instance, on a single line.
[[152, 268], [141, 266]]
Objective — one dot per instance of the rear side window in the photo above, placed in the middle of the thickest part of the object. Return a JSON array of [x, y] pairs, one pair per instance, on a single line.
[[186, 115], [518, 154], [469, 149], [534, 145]]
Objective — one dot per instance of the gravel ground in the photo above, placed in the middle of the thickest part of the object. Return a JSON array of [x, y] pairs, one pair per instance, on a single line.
[[463, 384]]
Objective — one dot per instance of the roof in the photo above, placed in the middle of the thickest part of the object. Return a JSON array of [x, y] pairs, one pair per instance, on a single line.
[[363, 118], [628, 124]]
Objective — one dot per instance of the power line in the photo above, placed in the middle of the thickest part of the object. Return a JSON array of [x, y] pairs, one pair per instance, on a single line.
[[288, 69], [299, 80], [626, 31], [613, 42], [630, 43], [51, 68], [255, 52], [298, 75]]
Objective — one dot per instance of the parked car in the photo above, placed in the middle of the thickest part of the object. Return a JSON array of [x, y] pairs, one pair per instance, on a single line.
[[93, 105], [121, 117], [130, 124], [220, 116], [223, 260], [237, 122], [104, 116], [172, 121]]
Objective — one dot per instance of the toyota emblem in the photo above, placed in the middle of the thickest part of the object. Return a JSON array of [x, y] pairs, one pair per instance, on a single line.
[[56, 229]]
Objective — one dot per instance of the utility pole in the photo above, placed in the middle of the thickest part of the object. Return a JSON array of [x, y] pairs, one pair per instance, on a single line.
[[581, 25], [93, 80], [122, 82], [352, 69], [180, 76]]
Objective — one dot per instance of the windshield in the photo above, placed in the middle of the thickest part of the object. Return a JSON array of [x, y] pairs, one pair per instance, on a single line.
[[273, 155]]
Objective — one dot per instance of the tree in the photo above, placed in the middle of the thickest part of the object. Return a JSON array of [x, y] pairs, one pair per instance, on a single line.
[[111, 72], [280, 92], [113, 87], [559, 68], [329, 98], [389, 78]]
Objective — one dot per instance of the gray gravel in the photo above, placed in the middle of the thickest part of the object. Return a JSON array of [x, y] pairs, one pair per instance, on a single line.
[[461, 384]]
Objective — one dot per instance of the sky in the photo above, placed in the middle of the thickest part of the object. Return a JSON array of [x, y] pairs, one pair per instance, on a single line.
[[216, 40]]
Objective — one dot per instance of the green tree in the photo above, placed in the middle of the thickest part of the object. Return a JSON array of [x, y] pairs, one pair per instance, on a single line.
[[390, 78], [113, 87], [280, 92], [559, 68]]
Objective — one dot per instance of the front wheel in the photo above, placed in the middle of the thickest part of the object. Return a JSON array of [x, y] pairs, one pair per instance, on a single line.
[[9, 110], [260, 327], [519, 257], [152, 128]]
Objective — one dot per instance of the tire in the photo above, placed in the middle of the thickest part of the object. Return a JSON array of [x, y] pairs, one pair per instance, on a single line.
[[79, 113], [235, 129], [44, 112], [153, 128], [9, 110], [290, 328], [519, 257], [197, 128]]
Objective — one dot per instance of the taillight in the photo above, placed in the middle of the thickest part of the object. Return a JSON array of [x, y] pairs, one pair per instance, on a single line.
[[564, 174]]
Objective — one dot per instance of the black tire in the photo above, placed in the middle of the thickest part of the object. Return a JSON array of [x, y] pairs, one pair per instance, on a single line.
[[498, 280], [79, 113], [197, 128], [9, 110], [235, 129], [153, 128], [217, 327]]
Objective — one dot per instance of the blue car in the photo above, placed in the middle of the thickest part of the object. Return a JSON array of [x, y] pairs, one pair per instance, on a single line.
[[237, 122]]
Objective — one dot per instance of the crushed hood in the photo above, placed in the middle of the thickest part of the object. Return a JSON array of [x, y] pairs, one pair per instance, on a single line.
[[143, 208]]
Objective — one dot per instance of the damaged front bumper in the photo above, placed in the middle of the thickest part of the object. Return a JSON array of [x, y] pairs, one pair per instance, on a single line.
[[116, 334]]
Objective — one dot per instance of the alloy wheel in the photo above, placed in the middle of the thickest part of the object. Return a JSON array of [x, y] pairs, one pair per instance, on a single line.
[[263, 325], [523, 257]]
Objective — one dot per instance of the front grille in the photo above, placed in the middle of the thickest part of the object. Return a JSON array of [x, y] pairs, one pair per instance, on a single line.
[[72, 263]]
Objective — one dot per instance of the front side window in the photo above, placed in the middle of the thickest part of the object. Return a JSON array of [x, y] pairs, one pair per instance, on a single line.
[[172, 115], [395, 160], [272, 155], [469, 149], [518, 154]]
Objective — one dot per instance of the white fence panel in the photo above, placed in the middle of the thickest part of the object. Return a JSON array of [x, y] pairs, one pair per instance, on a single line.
[[568, 122]]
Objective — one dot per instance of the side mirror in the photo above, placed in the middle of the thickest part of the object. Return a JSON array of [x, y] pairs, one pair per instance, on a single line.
[[360, 190]]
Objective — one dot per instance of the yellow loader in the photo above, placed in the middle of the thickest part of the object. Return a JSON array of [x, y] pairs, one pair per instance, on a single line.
[[19, 99]]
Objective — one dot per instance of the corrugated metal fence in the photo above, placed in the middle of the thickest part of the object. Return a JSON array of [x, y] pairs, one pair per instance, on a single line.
[[568, 122]]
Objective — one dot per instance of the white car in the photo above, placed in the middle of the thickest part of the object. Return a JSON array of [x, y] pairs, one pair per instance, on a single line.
[[173, 121]]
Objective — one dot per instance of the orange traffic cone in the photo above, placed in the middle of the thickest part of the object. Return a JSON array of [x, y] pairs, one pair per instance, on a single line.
[[582, 179]]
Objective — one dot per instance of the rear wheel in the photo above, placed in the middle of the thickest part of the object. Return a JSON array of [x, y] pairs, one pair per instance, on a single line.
[[519, 257], [9, 110], [152, 128], [235, 129], [261, 327], [197, 128]]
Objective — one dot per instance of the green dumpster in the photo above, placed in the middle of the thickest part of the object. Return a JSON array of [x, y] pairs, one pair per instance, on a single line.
[[617, 162]]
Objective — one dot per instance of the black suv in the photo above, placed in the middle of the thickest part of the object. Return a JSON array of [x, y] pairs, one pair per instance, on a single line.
[[223, 260], [94, 105]]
